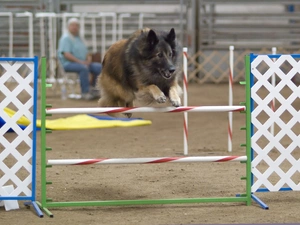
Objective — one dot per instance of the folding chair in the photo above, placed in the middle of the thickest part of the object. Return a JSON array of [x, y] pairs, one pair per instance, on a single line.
[[68, 81]]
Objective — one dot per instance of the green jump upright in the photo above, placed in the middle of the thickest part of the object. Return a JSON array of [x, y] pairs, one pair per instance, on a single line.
[[47, 203]]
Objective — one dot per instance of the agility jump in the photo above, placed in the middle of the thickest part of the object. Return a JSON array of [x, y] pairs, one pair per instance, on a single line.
[[47, 110], [257, 179]]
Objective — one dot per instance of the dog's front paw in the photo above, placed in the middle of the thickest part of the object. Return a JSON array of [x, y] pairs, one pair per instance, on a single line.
[[161, 98], [176, 103], [174, 96]]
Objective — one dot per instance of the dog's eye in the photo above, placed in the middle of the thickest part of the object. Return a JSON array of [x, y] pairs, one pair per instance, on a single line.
[[170, 54], [159, 54]]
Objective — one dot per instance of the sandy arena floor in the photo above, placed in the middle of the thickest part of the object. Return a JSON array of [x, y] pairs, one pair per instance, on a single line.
[[207, 136]]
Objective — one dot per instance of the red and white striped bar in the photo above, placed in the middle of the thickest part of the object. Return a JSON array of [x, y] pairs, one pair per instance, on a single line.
[[147, 109], [64, 162]]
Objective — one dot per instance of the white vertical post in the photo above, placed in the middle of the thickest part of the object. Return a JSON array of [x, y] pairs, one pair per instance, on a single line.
[[54, 35], [30, 30], [51, 54], [141, 19], [103, 36], [30, 24], [120, 22], [94, 30], [82, 25], [231, 55], [42, 36], [52, 40], [103, 29], [64, 24], [53, 20], [185, 102], [94, 34], [10, 31], [114, 27], [273, 84]]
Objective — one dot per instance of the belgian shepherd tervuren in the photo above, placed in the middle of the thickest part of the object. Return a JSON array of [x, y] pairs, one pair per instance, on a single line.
[[144, 65]]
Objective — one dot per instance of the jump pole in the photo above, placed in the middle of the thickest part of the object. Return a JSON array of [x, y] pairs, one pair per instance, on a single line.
[[146, 109], [147, 160], [47, 110], [230, 96], [185, 102]]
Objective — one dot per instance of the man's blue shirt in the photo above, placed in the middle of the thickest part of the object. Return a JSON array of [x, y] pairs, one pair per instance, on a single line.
[[73, 45]]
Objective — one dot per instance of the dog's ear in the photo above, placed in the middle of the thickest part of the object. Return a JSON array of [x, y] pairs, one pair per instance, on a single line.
[[152, 38], [171, 36]]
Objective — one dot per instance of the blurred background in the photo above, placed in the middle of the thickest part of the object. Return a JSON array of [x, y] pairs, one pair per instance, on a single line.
[[206, 27]]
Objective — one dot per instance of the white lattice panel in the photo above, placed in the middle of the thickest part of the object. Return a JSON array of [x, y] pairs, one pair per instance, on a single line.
[[276, 162], [16, 148]]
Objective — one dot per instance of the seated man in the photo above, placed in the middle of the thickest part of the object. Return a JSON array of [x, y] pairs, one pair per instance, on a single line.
[[74, 57]]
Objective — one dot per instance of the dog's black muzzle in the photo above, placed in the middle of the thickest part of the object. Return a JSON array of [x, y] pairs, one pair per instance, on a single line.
[[167, 73]]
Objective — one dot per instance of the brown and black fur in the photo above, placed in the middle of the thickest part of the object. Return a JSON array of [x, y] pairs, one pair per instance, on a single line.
[[145, 64]]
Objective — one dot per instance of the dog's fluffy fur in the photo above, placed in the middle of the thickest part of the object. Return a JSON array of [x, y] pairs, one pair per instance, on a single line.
[[145, 64]]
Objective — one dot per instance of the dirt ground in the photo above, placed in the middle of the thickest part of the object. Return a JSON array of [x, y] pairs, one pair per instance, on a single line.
[[207, 137]]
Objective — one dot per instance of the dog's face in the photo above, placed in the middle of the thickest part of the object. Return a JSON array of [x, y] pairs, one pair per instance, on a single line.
[[160, 53]]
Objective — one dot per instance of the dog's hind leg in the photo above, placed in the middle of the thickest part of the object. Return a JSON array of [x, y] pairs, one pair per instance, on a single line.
[[123, 103], [130, 105], [107, 102]]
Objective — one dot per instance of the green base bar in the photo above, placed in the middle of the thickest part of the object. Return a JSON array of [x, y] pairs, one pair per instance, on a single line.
[[144, 202]]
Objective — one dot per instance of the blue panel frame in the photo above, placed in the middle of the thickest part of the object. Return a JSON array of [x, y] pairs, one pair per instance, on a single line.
[[31, 198], [252, 57], [255, 198]]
